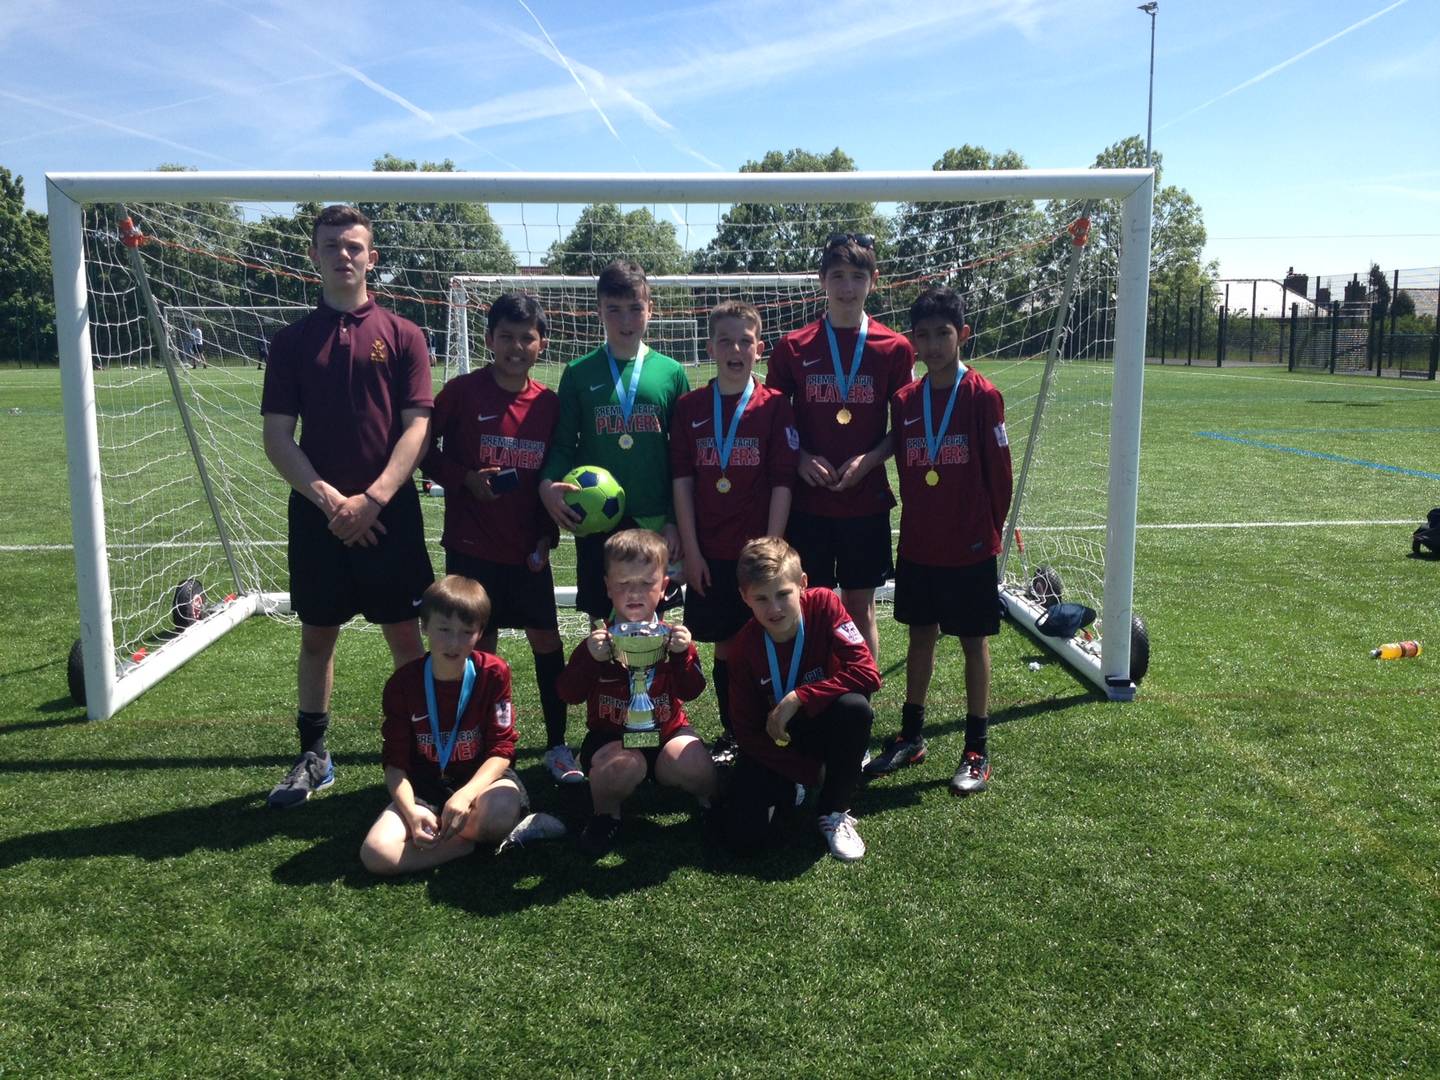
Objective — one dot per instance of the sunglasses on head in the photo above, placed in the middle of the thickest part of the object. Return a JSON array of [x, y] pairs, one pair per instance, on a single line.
[[864, 240]]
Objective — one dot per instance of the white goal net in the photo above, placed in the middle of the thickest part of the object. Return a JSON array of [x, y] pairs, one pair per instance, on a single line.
[[169, 480]]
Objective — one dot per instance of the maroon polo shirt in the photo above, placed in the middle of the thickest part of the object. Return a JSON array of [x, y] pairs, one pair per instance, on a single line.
[[348, 375], [762, 458], [802, 368], [960, 520]]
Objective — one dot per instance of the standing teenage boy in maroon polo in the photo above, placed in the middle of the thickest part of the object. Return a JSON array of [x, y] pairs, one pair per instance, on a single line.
[[840, 373], [357, 379]]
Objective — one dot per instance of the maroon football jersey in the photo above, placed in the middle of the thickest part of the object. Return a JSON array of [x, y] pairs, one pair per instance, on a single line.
[[478, 424], [762, 457], [960, 520], [801, 367], [486, 730], [836, 661], [604, 687]]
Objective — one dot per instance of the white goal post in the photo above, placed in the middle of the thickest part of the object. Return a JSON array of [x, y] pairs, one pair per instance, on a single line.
[[164, 470]]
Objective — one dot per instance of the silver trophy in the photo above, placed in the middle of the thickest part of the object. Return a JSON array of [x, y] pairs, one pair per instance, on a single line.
[[640, 646]]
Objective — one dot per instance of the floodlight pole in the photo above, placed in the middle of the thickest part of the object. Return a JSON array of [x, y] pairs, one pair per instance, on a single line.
[[1150, 10]]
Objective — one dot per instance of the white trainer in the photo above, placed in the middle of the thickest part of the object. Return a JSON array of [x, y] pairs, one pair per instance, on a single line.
[[563, 767], [839, 830]]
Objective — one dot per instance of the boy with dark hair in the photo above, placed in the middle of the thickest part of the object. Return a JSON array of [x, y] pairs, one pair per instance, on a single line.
[[615, 406], [355, 378], [489, 437], [635, 580], [840, 373], [732, 455], [449, 789], [953, 460], [801, 679]]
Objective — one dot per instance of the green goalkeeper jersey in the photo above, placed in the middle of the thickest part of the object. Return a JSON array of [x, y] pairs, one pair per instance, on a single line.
[[592, 428]]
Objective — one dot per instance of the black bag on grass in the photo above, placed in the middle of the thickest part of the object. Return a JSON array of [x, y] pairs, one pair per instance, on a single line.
[[1427, 535]]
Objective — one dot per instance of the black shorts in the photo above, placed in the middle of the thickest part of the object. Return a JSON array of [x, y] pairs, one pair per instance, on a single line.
[[520, 598], [330, 583], [853, 553], [720, 613], [435, 793], [964, 601], [594, 740], [590, 595]]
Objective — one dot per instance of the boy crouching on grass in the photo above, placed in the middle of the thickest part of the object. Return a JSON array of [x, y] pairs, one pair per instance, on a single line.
[[801, 677], [448, 742], [953, 460], [635, 580]]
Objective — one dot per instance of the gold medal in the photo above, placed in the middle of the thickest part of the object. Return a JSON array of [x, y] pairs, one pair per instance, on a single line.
[[627, 441], [723, 485], [843, 416], [932, 478]]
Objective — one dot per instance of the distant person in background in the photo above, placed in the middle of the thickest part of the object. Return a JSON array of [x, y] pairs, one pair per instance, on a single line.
[[198, 340], [262, 352], [430, 344]]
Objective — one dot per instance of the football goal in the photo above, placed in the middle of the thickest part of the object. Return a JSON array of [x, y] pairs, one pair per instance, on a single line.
[[179, 520]]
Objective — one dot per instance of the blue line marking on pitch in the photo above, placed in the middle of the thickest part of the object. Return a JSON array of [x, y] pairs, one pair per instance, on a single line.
[[1318, 454]]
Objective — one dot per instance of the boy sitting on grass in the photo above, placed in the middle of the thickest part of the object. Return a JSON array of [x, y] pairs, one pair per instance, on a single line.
[[801, 677], [733, 450], [635, 579], [448, 742], [953, 459]]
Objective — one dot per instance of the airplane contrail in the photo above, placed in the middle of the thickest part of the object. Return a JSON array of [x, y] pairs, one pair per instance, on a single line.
[[1284, 63], [121, 128]]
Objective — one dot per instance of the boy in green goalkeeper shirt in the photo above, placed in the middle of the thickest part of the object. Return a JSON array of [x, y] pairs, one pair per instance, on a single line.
[[615, 408]]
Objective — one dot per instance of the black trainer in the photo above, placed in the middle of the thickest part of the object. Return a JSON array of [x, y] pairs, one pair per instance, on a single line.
[[599, 835], [309, 774], [973, 775], [897, 753], [724, 750]]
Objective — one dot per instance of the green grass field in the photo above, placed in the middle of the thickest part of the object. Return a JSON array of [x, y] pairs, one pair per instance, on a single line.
[[1238, 874]]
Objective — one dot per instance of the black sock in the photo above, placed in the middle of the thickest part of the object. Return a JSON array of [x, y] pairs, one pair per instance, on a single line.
[[312, 727], [548, 667], [720, 679], [976, 728], [912, 721]]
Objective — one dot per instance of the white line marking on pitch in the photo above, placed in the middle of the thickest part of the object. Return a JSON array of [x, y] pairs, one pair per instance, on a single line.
[[1359, 383]]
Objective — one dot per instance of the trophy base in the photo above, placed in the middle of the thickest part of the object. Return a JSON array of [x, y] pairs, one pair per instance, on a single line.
[[646, 739]]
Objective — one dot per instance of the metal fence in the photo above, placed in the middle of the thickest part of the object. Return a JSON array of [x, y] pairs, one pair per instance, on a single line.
[[1345, 324]]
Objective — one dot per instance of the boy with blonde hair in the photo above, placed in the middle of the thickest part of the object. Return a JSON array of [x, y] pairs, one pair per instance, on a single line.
[[801, 680], [733, 451], [635, 580]]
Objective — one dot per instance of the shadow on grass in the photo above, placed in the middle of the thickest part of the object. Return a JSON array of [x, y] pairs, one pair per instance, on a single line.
[[112, 764], [31, 670], [41, 725]]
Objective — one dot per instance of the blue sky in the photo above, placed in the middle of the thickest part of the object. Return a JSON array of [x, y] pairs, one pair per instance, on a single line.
[[1306, 130]]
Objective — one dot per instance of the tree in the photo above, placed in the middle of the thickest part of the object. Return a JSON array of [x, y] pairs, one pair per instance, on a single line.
[[982, 250], [1379, 292], [602, 233], [27, 295], [422, 244], [789, 237]]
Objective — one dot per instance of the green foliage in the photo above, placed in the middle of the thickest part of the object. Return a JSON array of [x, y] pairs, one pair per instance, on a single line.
[[422, 244], [789, 237], [603, 233], [27, 294], [979, 249]]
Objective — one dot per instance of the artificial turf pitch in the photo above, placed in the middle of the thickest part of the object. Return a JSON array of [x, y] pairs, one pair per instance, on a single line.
[[1237, 874]]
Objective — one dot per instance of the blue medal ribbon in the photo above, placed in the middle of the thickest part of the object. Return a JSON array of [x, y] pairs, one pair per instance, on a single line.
[[725, 444], [932, 437], [626, 397], [842, 380], [781, 689], [467, 684]]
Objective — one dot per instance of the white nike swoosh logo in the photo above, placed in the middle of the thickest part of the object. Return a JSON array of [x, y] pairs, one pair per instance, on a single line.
[[418, 717], [912, 420], [417, 602], [698, 423], [810, 363], [599, 386], [482, 418], [764, 682]]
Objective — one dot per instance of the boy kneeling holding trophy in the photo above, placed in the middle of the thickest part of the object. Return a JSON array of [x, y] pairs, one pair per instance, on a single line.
[[632, 676]]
